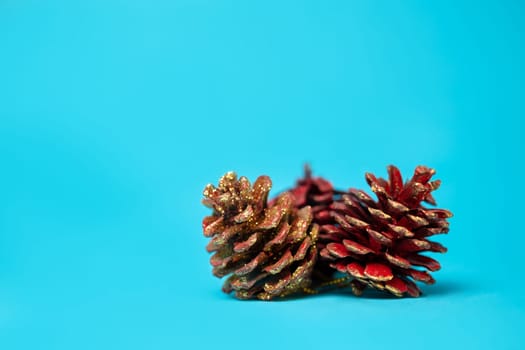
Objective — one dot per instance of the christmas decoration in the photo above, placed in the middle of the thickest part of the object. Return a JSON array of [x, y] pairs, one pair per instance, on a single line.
[[267, 250], [379, 242], [315, 192], [319, 194]]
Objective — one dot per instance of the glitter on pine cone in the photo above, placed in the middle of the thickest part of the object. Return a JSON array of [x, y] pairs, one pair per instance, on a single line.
[[267, 250], [379, 242]]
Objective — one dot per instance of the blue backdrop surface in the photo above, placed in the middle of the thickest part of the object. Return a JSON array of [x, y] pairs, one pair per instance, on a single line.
[[115, 114]]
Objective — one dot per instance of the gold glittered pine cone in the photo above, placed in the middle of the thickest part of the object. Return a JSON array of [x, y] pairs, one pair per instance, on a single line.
[[267, 251], [379, 243]]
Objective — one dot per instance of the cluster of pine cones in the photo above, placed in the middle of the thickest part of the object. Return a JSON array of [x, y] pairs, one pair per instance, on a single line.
[[313, 237]]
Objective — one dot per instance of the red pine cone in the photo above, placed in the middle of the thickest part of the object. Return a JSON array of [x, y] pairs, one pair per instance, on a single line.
[[318, 193], [315, 192], [379, 242], [268, 250]]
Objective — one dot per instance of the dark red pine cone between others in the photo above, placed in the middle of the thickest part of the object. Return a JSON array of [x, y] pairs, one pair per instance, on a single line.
[[316, 192], [319, 194], [379, 242]]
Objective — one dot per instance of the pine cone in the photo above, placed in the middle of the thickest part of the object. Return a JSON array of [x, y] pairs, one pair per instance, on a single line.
[[378, 242], [268, 250], [318, 193], [315, 192]]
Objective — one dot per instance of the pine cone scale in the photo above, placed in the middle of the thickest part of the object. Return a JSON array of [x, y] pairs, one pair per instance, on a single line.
[[396, 286], [378, 272], [210, 225], [383, 238], [355, 269], [285, 260], [425, 261], [241, 247], [337, 250], [252, 264], [300, 254], [398, 261], [279, 238], [277, 286], [356, 248], [396, 180]]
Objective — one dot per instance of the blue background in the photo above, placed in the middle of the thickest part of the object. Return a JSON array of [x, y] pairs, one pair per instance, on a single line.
[[115, 114]]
